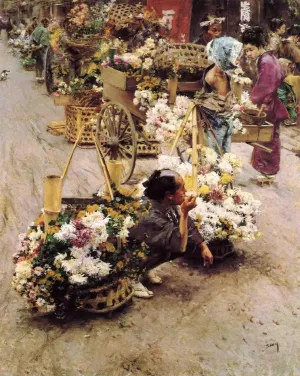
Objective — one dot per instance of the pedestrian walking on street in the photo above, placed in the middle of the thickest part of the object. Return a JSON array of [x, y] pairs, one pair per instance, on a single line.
[[40, 38], [270, 77]]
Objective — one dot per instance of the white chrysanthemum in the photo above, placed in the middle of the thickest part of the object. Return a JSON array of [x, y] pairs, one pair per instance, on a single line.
[[212, 179], [128, 222], [225, 166], [71, 266], [66, 232], [103, 268], [168, 162], [123, 234], [36, 235], [23, 270], [78, 279], [95, 220], [209, 155], [41, 302], [184, 169], [79, 252], [59, 258]]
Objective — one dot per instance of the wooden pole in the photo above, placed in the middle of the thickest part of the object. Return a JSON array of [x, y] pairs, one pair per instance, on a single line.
[[104, 168], [72, 152], [52, 198], [185, 120], [194, 149]]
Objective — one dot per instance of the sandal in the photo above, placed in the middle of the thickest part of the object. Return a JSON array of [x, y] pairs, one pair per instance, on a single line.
[[152, 277], [140, 291], [265, 179]]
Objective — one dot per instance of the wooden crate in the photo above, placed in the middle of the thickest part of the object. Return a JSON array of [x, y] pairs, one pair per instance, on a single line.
[[263, 133], [118, 79]]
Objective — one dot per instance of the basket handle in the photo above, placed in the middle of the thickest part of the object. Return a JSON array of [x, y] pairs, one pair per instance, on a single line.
[[260, 112]]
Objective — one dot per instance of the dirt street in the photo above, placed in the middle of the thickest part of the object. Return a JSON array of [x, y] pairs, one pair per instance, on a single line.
[[238, 318]]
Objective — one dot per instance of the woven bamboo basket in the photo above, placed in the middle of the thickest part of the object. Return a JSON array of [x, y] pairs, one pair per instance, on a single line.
[[186, 55], [64, 100], [249, 116], [88, 98], [106, 298], [76, 117], [122, 13]]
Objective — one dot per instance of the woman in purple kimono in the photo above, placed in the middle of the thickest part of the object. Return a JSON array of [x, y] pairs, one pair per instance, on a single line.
[[270, 77]]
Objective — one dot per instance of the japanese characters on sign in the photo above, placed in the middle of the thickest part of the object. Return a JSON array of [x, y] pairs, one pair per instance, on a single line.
[[245, 15]]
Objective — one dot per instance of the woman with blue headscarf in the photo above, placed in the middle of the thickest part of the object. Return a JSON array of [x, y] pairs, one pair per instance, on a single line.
[[216, 99]]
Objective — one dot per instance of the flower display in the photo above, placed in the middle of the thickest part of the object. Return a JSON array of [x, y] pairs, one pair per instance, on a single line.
[[87, 82], [222, 212], [86, 246], [164, 121]]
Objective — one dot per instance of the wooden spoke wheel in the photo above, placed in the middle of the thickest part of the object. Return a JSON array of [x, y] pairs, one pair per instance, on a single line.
[[116, 134]]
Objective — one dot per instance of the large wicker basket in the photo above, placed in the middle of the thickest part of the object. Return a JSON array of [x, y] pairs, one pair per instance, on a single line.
[[106, 298], [64, 100], [76, 117], [186, 55], [88, 98], [122, 13]]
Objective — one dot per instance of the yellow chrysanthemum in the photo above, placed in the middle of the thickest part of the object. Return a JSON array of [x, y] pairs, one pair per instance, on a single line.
[[110, 247], [92, 208], [81, 214], [226, 178], [204, 190]]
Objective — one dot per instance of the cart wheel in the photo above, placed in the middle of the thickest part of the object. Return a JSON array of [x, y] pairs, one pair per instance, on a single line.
[[49, 76], [116, 134]]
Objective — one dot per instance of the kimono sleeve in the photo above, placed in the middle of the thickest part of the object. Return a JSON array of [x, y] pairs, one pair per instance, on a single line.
[[193, 233], [158, 233], [266, 84]]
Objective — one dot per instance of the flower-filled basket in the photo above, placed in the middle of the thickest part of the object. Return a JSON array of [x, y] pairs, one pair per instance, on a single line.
[[28, 64], [77, 254]]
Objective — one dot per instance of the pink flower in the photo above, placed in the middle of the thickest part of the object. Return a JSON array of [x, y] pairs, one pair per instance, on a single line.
[[217, 195], [237, 200]]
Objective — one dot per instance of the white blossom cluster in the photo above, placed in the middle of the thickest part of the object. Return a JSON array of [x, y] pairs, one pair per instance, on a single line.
[[164, 121]]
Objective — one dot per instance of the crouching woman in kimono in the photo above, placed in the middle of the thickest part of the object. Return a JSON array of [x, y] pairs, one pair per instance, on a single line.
[[270, 77], [167, 230]]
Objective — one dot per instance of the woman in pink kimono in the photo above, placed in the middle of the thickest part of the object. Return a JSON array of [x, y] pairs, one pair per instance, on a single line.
[[270, 77]]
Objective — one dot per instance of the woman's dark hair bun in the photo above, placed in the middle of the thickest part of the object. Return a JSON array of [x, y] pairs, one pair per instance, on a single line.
[[159, 183], [155, 175]]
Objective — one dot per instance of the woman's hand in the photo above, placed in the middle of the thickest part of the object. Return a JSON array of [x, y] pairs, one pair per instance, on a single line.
[[206, 255], [188, 204]]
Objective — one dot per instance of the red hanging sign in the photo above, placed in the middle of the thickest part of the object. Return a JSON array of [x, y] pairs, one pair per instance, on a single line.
[[177, 14]]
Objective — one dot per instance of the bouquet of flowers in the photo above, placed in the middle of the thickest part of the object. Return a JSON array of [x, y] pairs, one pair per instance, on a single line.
[[85, 247], [222, 212]]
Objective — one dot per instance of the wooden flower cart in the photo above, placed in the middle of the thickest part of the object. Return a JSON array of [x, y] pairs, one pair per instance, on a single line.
[[120, 123]]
